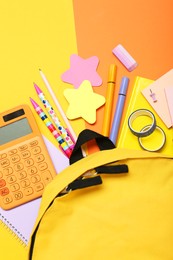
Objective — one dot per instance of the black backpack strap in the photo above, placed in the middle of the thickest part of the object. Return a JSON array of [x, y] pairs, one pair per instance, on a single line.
[[103, 142], [84, 183], [112, 169]]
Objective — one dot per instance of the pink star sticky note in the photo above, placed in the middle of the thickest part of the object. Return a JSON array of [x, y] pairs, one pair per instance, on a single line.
[[83, 102], [82, 69]]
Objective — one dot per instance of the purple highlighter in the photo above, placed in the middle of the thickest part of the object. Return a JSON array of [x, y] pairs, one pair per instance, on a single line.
[[119, 109]]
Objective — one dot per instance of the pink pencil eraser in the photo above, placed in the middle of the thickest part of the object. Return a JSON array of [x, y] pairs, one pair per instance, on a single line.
[[125, 58]]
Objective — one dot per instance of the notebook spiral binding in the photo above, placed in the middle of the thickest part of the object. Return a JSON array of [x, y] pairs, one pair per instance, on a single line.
[[11, 228]]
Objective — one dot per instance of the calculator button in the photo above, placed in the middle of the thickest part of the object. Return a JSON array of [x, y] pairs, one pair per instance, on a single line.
[[33, 143], [7, 199], [12, 152], [36, 150], [39, 158], [25, 154], [32, 170], [39, 187], [18, 195], [21, 175], [5, 163], [4, 191], [42, 166], [22, 147], [14, 187], [46, 176], [25, 183], [36, 178], [3, 155], [11, 179], [2, 183], [18, 167], [15, 158], [28, 191], [7, 171], [29, 162], [24, 173]]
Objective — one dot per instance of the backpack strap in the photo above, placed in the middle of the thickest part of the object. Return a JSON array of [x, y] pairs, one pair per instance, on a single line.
[[103, 142]]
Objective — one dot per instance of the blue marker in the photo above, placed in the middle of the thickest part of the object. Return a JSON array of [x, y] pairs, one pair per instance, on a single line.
[[119, 110]]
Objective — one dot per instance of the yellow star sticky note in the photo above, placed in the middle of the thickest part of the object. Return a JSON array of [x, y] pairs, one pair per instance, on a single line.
[[83, 102]]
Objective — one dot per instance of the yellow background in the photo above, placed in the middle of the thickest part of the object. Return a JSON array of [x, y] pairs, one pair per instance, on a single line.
[[34, 34]]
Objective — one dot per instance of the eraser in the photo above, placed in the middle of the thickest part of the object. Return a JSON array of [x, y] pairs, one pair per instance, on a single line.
[[126, 59]]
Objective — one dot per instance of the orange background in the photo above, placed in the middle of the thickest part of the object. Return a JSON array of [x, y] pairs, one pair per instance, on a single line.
[[144, 28]]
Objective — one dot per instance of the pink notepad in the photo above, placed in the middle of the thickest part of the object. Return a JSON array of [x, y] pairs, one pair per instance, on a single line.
[[159, 103]]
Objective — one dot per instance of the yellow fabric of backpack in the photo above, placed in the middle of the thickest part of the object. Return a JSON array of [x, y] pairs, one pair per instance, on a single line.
[[127, 216]]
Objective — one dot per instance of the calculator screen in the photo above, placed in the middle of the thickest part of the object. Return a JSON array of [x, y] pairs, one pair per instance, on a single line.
[[14, 130]]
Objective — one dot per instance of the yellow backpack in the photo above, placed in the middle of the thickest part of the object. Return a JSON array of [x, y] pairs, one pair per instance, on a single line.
[[113, 204]]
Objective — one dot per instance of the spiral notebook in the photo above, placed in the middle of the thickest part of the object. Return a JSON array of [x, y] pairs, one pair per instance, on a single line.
[[20, 220], [138, 101]]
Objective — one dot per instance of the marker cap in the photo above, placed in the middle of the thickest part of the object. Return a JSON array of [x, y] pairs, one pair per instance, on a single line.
[[124, 85], [112, 73]]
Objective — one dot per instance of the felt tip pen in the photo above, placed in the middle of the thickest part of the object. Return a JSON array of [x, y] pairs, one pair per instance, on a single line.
[[109, 100], [119, 110], [51, 111], [66, 150]]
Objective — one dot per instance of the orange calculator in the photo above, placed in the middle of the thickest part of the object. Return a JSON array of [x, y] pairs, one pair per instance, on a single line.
[[25, 165]]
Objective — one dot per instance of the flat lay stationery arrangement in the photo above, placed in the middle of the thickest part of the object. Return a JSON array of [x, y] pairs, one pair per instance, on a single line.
[[160, 138], [66, 78]]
